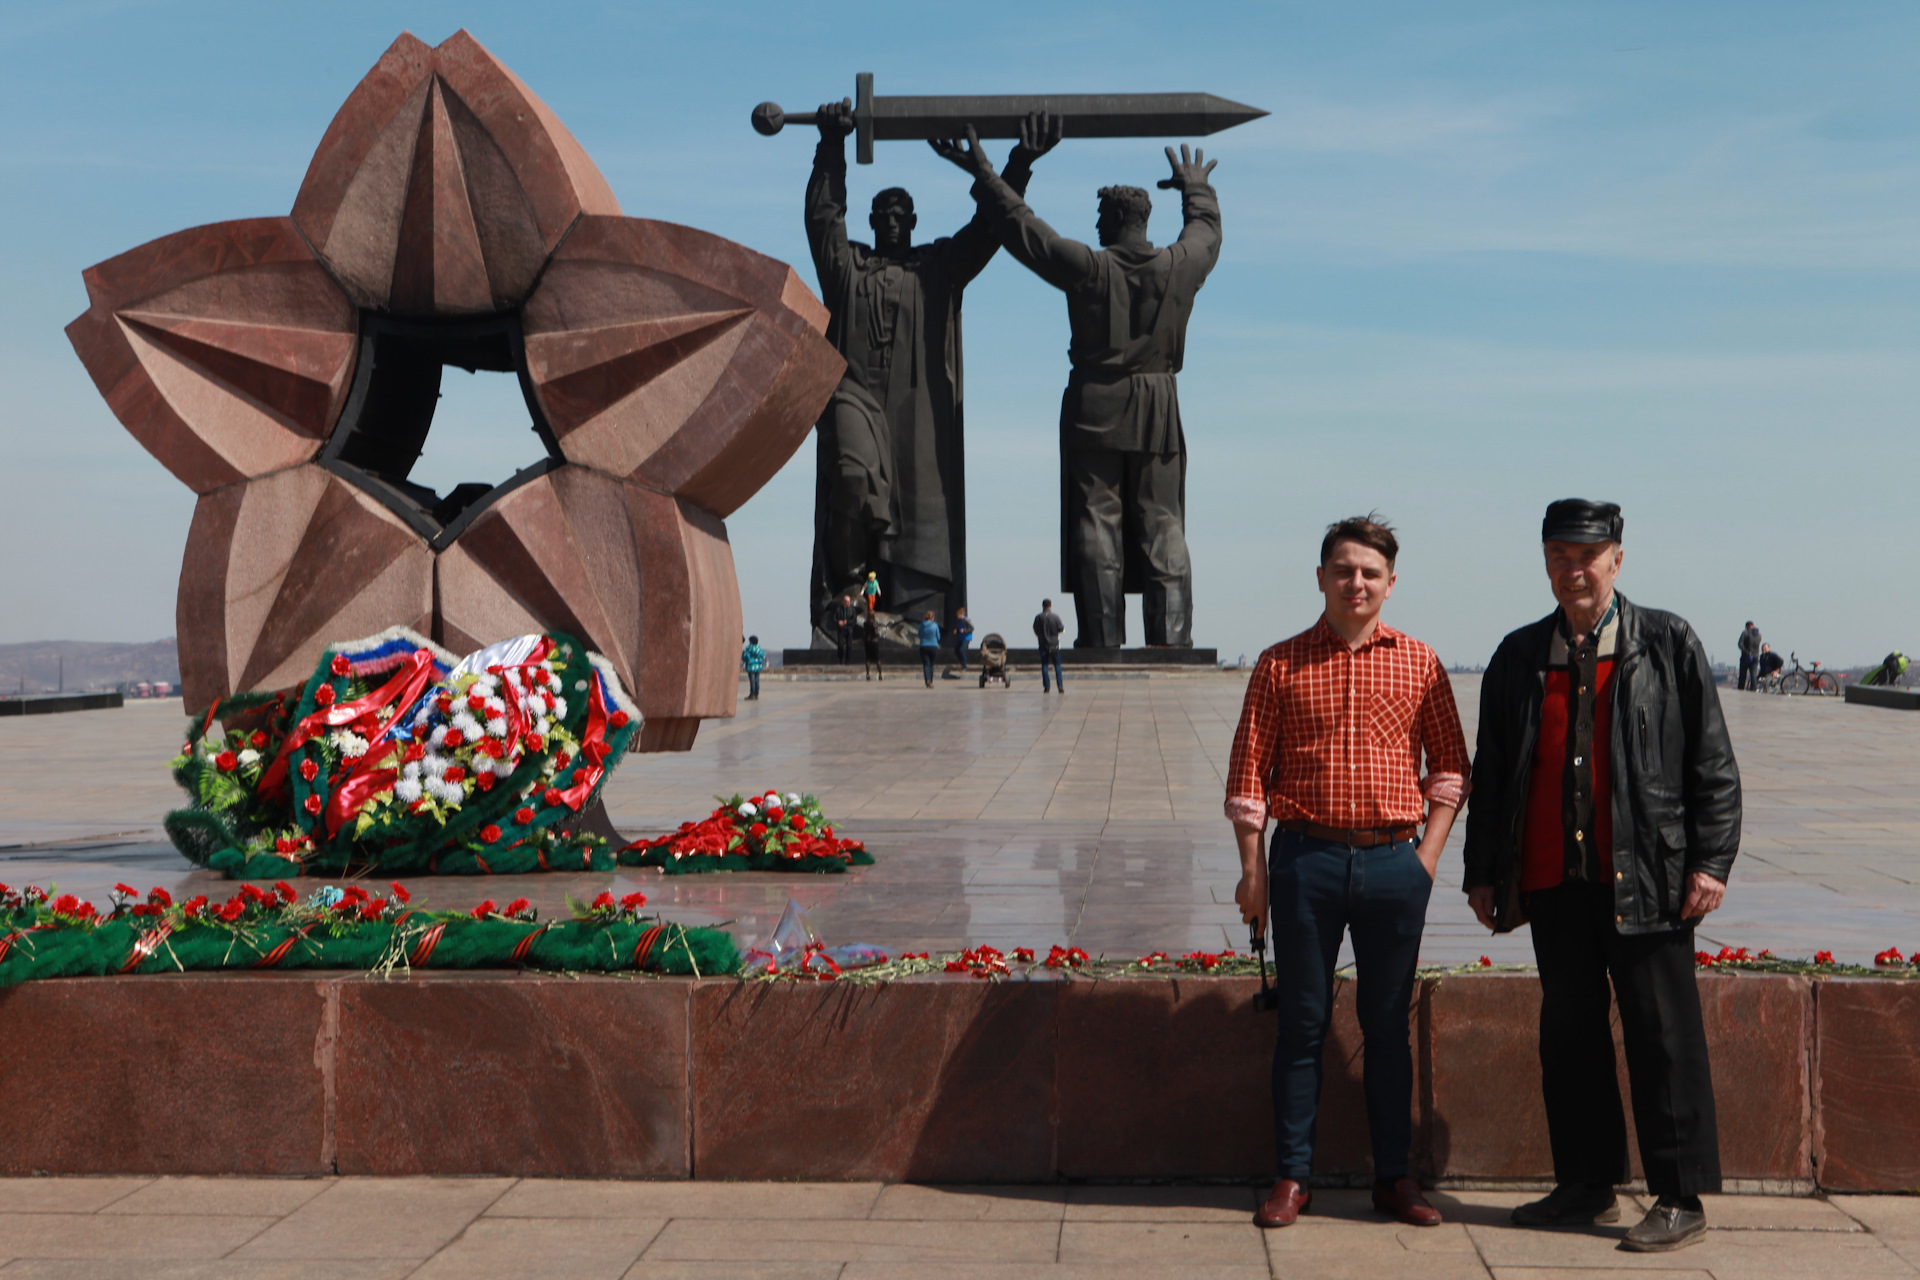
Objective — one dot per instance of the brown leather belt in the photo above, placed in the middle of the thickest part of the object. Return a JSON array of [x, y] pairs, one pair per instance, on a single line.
[[1359, 838]]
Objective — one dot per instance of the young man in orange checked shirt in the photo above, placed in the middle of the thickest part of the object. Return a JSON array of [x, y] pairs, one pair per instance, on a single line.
[[1330, 747]]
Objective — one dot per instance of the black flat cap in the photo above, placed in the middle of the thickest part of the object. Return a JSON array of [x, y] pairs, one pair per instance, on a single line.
[[1577, 520]]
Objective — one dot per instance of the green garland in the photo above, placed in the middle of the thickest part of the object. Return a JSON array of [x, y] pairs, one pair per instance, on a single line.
[[44, 936]]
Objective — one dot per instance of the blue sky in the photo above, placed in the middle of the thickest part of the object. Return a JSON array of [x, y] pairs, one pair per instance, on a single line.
[[1479, 257]]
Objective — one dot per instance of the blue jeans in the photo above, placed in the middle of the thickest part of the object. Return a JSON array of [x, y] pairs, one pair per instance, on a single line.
[[1317, 890], [927, 654], [753, 684], [960, 651], [1053, 656]]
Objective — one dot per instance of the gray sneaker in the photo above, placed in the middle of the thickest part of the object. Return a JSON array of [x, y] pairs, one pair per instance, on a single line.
[[1668, 1225], [1571, 1204]]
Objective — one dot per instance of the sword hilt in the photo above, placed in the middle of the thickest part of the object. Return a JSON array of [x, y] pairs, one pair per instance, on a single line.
[[769, 119]]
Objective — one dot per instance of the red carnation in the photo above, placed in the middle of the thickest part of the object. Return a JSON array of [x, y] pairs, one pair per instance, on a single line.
[[340, 666], [258, 740], [776, 813], [618, 720], [230, 910], [523, 815], [536, 743], [324, 696], [484, 910], [490, 833], [374, 909], [313, 805], [605, 899], [309, 770], [158, 897], [518, 905], [455, 773], [552, 796], [798, 821], [633, 902], [415, 751], [65, 905], [126, 891], [455, 737], [1485, 963], [476, 702], [284, 891], [484, 781], [227, 761], [757, 830], [400, 893]]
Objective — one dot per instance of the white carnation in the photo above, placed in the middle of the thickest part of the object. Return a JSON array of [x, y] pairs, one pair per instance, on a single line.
[[792, 799], [438, 737], [434, 766], [746, 809], [559, 708], [351, 744], [468, 726], [407, 790], [249, 758], [497, 726]]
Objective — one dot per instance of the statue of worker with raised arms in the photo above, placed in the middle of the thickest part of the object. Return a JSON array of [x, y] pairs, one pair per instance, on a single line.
[[890, 492], [1122, 452]]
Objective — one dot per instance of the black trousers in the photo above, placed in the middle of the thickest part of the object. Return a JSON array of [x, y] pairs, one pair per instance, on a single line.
[[1578, 949], [1749, 669]]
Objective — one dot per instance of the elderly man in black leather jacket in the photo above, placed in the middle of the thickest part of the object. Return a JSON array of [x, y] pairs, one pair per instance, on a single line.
[[1606, 810]]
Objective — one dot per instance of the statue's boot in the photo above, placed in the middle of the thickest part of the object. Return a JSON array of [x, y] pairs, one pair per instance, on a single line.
[[1168, 609]]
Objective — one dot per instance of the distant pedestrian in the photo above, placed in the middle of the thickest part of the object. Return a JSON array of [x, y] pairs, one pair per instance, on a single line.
[[929, 646], [1749, 658], [844, 618], [754, 659], [1047, 628], [870, 644], [870, 593], [1770, 662], [962, 632]]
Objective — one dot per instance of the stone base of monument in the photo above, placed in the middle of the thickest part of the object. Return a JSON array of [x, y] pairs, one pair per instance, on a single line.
[[1874, 696], [943, 1079], [1027, 658]]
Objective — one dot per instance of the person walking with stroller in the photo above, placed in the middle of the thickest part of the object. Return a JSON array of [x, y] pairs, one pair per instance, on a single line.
[[929, 646], [754, 659], [1047, 628], [1750, 647], [962, 632], [870, 646]]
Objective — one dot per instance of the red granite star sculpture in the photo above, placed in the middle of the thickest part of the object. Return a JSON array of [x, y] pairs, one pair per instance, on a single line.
[[285, 369]]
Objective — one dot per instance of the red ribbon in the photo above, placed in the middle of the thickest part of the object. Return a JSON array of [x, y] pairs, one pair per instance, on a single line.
[[406, 685], [279, 953], [149, 943], [593, 749], [362, 784]]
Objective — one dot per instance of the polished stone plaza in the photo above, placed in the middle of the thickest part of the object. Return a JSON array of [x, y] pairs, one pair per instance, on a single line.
[[1021, 819]]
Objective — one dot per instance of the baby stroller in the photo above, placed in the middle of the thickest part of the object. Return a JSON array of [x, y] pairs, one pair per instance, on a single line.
[[993, 661]]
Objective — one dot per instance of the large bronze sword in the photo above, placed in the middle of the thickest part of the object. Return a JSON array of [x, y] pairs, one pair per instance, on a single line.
[[1086, 115]]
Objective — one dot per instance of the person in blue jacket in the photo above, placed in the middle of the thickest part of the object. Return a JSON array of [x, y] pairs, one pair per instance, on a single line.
[[754, 659], [962, 632], [929, 646]]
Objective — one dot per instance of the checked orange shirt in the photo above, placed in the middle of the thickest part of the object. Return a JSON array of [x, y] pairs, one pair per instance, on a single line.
[[1335, 735]]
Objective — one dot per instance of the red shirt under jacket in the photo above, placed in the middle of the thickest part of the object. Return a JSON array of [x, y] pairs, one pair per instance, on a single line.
[[1543, 851], [1335, 735]]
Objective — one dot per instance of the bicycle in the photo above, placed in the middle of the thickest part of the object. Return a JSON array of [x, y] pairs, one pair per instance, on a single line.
[[1809, 679]]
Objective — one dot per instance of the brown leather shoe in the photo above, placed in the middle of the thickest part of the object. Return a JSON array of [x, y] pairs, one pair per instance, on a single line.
[[1402, 1198], [1287, 1201]]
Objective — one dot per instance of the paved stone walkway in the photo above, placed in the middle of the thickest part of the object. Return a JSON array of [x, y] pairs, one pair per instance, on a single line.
[[479, 1228], [1011, 817]]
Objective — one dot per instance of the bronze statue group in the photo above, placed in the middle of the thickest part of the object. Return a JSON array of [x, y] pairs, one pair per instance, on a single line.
[[1604, 795]]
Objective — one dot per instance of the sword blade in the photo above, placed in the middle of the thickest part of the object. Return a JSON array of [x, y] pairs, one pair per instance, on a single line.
[[1086, 115]]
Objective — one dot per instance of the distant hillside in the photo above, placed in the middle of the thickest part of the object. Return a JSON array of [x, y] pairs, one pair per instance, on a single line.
[[36, 666]]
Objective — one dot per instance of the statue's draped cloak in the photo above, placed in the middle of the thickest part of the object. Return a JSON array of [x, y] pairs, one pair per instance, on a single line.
[[897, 322]]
